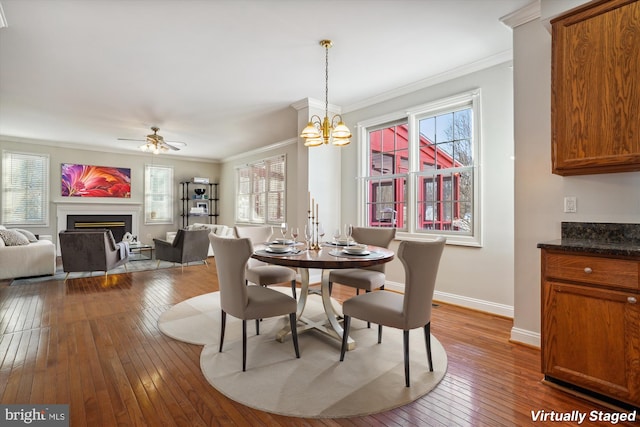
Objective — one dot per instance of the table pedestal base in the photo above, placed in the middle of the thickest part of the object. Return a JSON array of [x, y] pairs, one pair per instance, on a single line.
[[330, 326]]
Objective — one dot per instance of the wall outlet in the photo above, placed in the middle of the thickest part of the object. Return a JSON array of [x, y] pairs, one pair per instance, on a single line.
[[570, 204]]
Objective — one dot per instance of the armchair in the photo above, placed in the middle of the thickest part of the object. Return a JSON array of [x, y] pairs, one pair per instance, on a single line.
[[188, 246], [91, 250]]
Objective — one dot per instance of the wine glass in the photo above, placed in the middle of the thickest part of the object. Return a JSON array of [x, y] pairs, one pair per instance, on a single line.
[[320, 232], [308, 233], [283, 230], [336, 235], [348, 229], [294, 234]]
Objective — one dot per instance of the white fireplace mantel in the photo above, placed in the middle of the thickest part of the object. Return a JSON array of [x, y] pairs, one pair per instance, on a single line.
[[78, 207]]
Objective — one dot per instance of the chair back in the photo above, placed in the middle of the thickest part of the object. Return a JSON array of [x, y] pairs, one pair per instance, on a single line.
[[89, 250], [376, 236], [421, 261], [231, 256], [257, 234], [195, 244]]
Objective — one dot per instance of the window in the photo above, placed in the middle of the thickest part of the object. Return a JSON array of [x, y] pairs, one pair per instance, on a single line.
[[25, 189], [260, 192], [158, 194], [420, 170]]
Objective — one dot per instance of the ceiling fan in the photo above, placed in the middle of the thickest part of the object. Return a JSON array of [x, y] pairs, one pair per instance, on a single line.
[[155, 143]]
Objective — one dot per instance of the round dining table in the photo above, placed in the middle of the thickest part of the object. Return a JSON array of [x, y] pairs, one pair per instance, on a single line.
[[327, 258]]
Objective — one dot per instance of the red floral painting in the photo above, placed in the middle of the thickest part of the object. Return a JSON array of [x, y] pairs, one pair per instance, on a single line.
[[95, 181]]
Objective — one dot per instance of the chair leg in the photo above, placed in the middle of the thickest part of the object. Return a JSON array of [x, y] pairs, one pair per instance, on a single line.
[[66, 276], [345, 336], [406, 357], [158, 264], [223, 323], [258, 326], [379, 334], [244, 345], [330, 288], [369, 323], [125, 266], [294, 333], [427, 340], [293, 289]]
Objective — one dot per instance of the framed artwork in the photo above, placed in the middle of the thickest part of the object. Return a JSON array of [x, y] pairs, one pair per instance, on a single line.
[[204, 206], [95, 181]]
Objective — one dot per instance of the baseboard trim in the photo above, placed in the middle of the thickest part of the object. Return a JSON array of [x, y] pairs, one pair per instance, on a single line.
[[523, 336], [462, 301]]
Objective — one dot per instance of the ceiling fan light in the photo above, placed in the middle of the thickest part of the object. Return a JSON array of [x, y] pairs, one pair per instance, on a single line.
[[341, 131]]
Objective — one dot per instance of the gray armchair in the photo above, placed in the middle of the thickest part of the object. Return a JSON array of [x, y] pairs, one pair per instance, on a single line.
[[188, 246], [91, 250]]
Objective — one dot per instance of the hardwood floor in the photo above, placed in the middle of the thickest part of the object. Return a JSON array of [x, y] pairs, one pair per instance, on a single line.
[[94, 344]]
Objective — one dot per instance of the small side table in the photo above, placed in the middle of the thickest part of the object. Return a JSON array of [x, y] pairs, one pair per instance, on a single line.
[[140, 252]]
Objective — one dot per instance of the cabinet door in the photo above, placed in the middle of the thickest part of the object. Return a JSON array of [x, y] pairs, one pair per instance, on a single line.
[[595, 89], [591, 338]]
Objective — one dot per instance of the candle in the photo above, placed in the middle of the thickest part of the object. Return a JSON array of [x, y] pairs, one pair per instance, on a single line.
[[309, 200], [313, 201], [317, 216]]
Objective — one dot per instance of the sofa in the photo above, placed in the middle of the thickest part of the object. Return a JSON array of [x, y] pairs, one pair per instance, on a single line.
[[217, 229], [25, 256]]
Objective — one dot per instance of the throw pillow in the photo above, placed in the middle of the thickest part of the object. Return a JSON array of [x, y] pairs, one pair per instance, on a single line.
[[13, 238], [29, 235]]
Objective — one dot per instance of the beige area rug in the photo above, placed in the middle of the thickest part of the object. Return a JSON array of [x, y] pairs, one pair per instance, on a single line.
[[318, 385]]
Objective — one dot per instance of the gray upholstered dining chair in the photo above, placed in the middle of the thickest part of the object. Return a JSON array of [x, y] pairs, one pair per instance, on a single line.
[[259, 272], [409, 311], [188, 246], [247, 302], [368, 278]]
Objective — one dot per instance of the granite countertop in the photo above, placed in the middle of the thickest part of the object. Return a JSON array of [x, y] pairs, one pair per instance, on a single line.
[[598, 239]]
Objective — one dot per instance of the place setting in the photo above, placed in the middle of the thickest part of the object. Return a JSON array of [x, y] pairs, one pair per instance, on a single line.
[[282, 245], [345, 246]]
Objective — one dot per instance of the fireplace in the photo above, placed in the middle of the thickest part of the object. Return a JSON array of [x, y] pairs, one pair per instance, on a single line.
[[118, 224]]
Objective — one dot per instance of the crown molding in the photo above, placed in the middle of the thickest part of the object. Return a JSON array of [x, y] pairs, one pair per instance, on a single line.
[[523, 15], [261, 150], [500, 58], [101, 149], [316, 104]]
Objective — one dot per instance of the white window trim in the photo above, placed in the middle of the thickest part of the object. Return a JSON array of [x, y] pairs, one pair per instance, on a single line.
[[284, 191], [47, 191], [412, 115], [170, 199]]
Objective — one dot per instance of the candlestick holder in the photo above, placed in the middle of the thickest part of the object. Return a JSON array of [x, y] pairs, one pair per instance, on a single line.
[[314, 243]]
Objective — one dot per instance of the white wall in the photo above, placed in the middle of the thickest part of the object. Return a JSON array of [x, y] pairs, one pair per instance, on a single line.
[[480, 278], [540, 194]]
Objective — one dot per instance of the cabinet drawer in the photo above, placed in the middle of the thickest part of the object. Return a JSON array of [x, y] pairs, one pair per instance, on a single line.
[[599, 271]]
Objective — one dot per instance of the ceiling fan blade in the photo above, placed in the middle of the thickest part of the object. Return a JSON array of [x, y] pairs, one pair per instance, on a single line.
[[129, 139], [171, 147]]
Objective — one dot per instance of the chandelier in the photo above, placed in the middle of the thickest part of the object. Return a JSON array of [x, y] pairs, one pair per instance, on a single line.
[[321, 131]]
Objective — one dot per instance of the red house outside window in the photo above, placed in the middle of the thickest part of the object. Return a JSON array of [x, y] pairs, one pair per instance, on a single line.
[[444, 179]]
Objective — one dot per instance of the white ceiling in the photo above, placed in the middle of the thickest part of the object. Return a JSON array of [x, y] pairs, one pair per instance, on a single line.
[[221, 75]]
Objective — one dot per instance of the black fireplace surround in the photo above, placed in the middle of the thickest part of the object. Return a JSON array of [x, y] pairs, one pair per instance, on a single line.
[[118, 224]]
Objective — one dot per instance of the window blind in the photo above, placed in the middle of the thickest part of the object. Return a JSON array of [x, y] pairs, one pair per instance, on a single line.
[[25, 189]]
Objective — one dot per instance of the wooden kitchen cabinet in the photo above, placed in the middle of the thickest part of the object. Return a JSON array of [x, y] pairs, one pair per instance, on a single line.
[[591, 323], [595, 105]]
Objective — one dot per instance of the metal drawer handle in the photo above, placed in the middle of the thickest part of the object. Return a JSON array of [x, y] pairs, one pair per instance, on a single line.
[[588, 270], [632, 300]]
